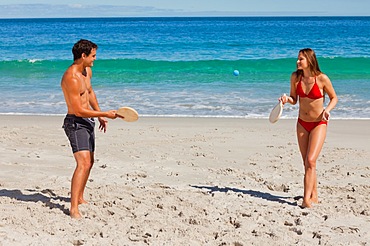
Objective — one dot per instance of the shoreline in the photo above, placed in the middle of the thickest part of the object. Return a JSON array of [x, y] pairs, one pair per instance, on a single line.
[[183, 181], [183, 116]]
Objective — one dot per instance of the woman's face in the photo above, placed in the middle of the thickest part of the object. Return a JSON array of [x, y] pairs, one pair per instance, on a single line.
[[302, 62]]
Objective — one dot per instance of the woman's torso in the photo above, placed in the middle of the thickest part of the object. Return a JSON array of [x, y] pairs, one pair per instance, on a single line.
[[311, 98]]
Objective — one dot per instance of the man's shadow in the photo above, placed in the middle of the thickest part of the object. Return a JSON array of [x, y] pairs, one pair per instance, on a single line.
[[38, 196], [259, 194]]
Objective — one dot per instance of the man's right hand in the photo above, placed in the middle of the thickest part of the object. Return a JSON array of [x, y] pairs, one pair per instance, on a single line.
[[111, 114]]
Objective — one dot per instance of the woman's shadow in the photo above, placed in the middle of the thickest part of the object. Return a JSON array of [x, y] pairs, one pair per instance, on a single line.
[[259, 194], [46, 196]]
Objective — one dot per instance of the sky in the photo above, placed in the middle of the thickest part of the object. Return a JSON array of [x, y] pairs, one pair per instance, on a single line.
[[165, 8]]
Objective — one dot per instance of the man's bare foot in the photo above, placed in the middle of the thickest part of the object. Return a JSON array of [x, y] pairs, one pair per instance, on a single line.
[[75, 215], [306, 204]]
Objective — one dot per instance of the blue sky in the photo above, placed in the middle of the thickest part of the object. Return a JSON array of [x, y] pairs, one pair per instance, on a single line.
[[134, 8]]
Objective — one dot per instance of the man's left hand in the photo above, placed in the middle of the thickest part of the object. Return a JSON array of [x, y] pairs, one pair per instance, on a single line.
[[103, 124]]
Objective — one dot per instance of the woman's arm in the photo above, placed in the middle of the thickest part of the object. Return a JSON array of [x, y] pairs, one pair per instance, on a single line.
[[292, 98], [328, 89]]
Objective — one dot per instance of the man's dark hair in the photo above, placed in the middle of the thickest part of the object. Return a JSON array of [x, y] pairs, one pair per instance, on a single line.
[[83, 46]]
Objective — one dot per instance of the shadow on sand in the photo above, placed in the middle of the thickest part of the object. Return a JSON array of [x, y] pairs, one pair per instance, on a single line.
[[50, 199], [259, 194]]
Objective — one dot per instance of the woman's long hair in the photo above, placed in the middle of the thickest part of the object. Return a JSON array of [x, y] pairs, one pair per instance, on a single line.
[[312, 62]]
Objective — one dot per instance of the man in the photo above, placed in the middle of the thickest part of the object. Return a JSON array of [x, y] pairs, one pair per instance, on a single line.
[[79, 123]]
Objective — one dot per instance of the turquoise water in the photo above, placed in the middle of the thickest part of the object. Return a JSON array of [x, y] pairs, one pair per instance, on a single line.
[[184, 66]]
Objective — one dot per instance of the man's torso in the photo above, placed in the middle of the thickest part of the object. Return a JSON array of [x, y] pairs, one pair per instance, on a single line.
[[72, 75]]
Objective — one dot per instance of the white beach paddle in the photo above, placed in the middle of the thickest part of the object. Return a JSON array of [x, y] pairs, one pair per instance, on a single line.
[[127, 114], [276, 112]]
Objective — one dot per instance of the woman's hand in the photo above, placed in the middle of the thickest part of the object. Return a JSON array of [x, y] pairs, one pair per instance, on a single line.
[[284, 99], [325, 115]]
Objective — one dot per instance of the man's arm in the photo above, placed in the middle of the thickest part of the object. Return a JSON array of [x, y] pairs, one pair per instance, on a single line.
[[93, 101], [71, 88], [95, 105]]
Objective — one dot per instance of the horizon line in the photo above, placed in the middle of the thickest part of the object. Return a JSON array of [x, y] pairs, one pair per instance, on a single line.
[[193, 16]]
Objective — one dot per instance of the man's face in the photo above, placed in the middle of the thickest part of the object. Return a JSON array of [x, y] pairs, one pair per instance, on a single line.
[[89, 60]]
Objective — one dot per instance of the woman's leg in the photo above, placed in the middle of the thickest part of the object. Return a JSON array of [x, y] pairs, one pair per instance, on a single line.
[[303, 140], [315, 143], [310, 145]]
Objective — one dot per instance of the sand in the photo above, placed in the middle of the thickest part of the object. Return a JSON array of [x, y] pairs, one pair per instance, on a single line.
[[183, 181]]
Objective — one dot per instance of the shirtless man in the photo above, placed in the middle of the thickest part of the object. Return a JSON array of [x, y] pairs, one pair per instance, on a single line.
[[79, 123]]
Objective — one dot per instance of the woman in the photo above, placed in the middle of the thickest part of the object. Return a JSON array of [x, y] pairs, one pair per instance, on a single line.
[[308, 85]]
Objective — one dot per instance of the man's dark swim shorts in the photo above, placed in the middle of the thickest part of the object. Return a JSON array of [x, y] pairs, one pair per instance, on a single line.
[[80, 132]]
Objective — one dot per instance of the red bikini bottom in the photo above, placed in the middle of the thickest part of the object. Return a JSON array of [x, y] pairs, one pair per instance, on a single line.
[[309, 126]]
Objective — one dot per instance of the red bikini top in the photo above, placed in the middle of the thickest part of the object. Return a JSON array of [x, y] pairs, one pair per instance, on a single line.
[[314, 93]]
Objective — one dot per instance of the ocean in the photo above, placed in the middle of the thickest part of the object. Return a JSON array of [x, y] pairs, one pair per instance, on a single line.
[[184, 66]]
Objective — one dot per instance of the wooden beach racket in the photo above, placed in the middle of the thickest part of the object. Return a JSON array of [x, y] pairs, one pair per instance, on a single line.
[[276, 112], [127, 114]]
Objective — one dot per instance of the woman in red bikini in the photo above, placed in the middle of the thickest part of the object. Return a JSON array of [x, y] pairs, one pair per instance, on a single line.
[[308, 86]]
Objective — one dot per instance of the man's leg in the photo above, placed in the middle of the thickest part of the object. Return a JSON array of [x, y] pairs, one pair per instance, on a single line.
[[84, 160], [81, 199]]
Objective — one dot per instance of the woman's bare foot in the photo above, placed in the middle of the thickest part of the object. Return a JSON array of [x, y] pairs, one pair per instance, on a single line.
[[75, 214], [82, 201], [315, 200], [306, 204]]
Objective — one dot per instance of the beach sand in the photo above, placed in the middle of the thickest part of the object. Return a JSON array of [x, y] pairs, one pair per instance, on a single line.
[[183, 181]]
